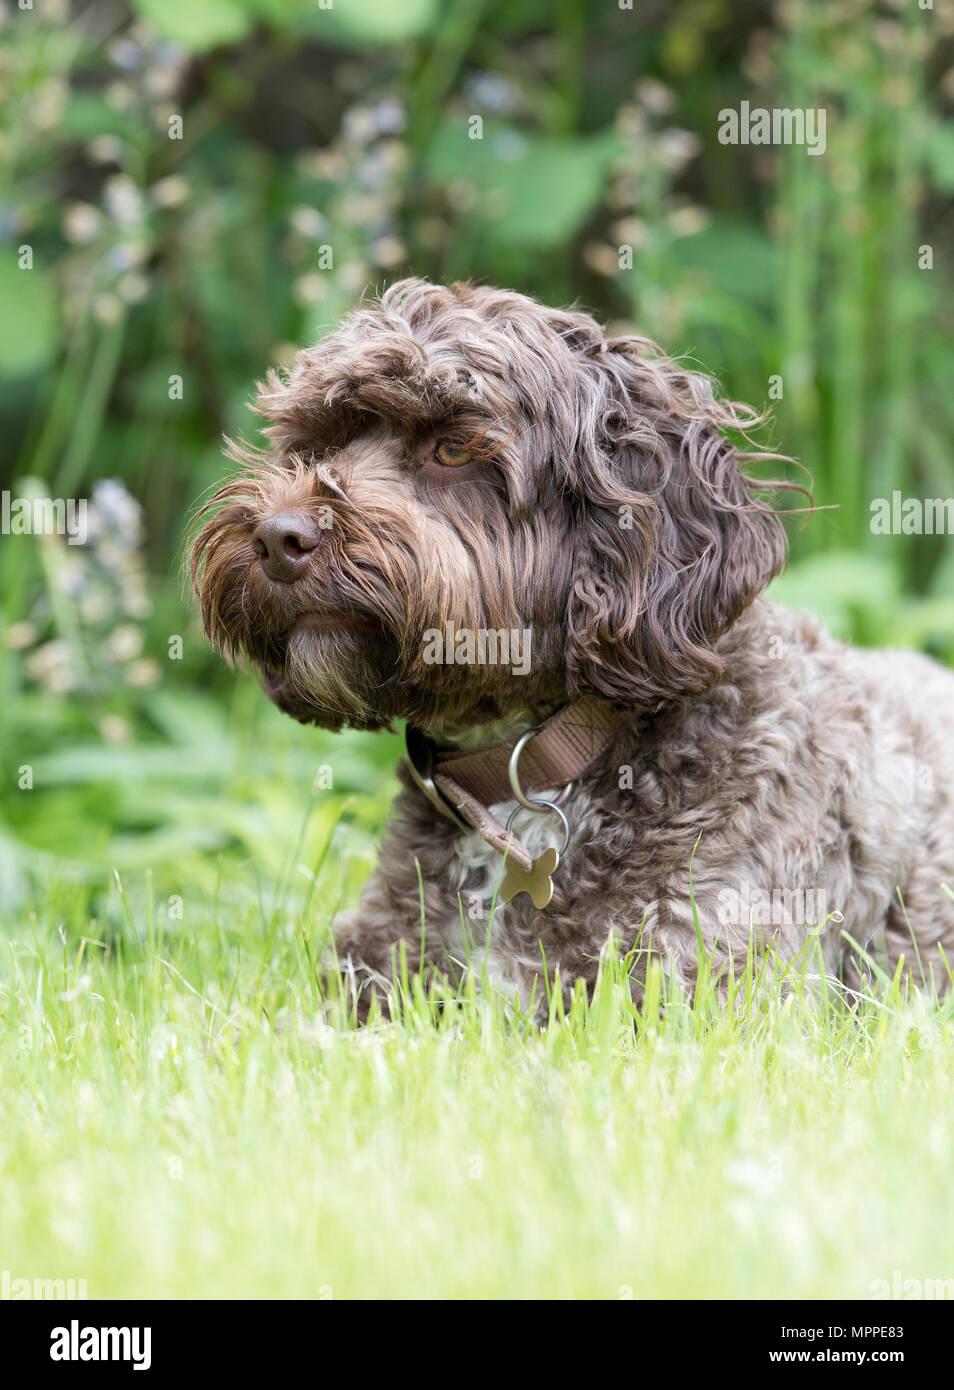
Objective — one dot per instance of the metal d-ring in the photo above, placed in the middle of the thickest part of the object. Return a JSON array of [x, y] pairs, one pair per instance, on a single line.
[[541, 804], [514, 779], [420, 762]]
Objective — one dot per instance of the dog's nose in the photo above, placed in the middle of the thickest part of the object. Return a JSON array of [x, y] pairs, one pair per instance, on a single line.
[[284, 544]]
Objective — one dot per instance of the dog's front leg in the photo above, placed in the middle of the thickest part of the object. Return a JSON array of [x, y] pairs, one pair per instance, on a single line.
[[395, 925]]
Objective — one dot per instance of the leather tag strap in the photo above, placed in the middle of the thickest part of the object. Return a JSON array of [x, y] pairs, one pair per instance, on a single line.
[[565, 746], [486, 825]]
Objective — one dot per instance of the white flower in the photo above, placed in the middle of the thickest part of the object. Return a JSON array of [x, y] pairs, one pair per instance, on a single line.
[[20, 635], [309, 222], [491, 91], [123, 201], [311, 288], [106, 149], [123, 643], [688, 220], [133, 288], [388, 116], [114, 729], [353, 276], [143, 674], [655, 96], [170, 192], [387, 252], [107, 308], [357, 125], [677, 147], [81, 223], [125, 54]]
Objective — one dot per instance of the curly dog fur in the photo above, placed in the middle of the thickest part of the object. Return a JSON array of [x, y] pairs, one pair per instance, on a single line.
[[601, 506]]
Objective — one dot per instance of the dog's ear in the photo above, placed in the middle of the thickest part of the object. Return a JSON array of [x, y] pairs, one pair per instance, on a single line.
[[671, 543]]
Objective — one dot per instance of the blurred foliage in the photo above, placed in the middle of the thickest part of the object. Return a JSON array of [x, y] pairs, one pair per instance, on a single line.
[[201, 187]]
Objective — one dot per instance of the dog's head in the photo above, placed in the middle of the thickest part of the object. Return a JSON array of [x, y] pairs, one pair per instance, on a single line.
[[463, 460]]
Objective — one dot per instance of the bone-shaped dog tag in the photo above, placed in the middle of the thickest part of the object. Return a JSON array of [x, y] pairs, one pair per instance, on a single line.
[[536, 880]]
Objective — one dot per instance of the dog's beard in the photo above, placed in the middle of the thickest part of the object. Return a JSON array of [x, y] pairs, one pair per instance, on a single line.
[[337, 671]]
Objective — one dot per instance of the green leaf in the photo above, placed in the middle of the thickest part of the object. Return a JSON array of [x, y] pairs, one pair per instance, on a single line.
[[28, 297], [740, 260], [939, 156], [856, 595], [88, 114], [534, 192], [358, 22], [197, 27]]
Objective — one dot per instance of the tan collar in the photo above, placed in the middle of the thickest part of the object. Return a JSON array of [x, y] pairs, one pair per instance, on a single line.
[[464, 785]]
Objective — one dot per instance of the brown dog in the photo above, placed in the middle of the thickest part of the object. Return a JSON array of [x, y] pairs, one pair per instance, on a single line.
[[479, 515]]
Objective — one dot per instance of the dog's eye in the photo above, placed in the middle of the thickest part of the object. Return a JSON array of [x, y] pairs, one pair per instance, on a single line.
[[453, 458]]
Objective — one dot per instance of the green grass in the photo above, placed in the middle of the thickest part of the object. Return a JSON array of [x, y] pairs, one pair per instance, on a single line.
[[183, 1115]]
